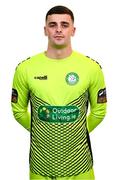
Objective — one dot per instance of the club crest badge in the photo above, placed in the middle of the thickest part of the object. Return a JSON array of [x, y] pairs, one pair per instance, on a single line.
[[72, 78]]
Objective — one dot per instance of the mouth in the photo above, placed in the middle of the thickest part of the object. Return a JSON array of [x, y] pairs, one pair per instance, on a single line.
[[58, 37]]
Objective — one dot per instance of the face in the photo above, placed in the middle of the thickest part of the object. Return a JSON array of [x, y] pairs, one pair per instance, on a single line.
[[59, 28]]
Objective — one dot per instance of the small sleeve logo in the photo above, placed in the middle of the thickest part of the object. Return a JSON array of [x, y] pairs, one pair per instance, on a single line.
[[102, 98], [14, 97]]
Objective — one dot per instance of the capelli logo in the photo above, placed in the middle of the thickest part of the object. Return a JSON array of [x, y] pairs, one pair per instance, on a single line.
[[41, 77]]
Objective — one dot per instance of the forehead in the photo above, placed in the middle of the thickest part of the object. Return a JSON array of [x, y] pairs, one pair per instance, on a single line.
[[59, 18]]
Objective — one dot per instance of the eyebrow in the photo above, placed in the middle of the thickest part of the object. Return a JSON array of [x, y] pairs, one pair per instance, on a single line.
[[65, 22], [62, 22]]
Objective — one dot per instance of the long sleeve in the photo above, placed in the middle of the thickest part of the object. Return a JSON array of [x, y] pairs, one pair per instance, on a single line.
[[20, 97], [97, 98]]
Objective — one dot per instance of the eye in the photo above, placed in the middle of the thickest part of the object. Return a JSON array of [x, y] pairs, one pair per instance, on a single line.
[[51, 25], [65, 25]]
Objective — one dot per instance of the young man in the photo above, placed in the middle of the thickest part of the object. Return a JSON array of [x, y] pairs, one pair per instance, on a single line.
[[59, 83]]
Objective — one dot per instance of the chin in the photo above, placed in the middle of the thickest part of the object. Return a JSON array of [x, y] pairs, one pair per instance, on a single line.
[[59, 46]]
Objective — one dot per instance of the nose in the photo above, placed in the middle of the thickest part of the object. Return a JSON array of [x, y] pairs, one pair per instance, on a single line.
[[59, 29]]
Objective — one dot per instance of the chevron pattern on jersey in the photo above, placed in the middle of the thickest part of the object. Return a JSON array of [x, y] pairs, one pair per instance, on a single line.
[[59, 150]]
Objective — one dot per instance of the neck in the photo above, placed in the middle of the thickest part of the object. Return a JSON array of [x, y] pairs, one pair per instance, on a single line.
[[55, 53]]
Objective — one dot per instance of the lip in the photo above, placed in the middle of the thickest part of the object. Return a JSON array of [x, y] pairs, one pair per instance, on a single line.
[[58, 37]]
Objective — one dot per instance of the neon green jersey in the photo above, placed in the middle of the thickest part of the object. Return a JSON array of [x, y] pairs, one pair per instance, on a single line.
[[59, 91]]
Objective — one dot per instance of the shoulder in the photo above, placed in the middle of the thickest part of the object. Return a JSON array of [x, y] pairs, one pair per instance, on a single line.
[[23, 63], [94, 62], [28, 62], [89, 64]]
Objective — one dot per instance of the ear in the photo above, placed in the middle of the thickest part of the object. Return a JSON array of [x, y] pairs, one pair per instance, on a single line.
[[73, 31], [45, 31]]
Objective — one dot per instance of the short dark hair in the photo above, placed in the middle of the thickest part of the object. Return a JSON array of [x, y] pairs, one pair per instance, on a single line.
[[60, 10]]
